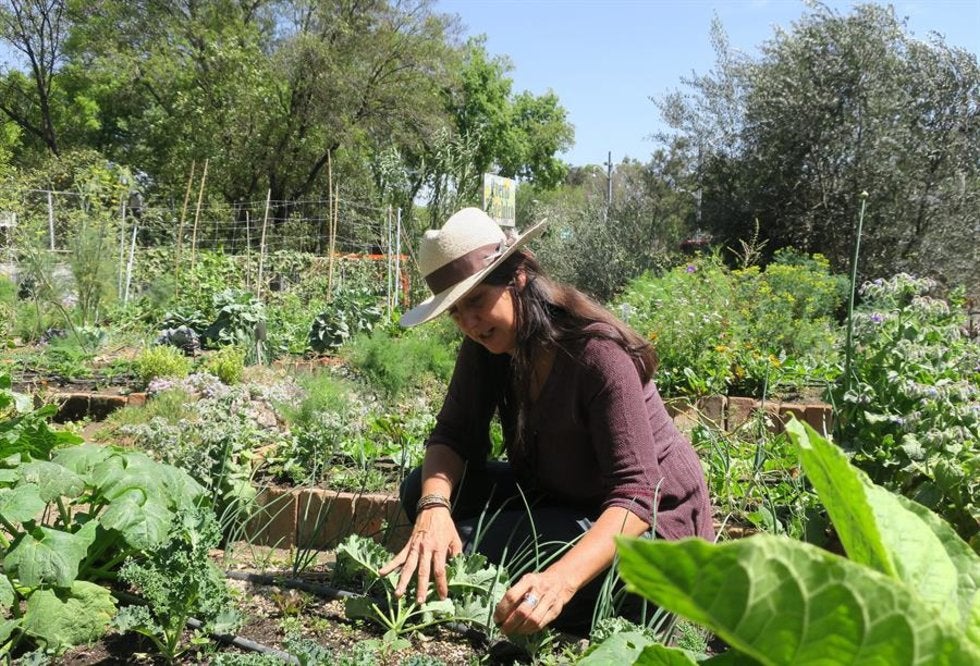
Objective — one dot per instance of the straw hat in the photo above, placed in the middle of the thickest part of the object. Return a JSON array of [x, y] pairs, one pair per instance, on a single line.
[[455, 259]]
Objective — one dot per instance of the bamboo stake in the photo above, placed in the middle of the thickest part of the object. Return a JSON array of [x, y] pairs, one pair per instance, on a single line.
[[122, 248], [333, 238], [330, 204], [265, 221], [180, 230], [129, 264], [197, 214]]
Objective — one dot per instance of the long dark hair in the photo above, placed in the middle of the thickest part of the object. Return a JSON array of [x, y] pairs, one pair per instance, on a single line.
[[554, 315]]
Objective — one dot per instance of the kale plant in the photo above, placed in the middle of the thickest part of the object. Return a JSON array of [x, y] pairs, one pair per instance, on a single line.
[[178, 581]]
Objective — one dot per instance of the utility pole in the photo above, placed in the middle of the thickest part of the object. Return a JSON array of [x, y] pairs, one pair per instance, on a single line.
[[609, 166]]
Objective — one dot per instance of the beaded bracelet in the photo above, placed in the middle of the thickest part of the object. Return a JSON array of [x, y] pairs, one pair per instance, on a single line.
[[433, 499]]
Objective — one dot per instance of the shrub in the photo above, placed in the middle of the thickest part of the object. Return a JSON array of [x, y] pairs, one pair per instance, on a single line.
[[392, 365], [161, 361], [911, 410], [746, 331], [227, 364]]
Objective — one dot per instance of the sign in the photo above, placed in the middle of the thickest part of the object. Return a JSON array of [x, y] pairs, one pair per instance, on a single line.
[[500, 199]]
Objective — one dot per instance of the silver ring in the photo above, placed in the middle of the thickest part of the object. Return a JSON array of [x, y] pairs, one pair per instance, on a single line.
[[531, 600]]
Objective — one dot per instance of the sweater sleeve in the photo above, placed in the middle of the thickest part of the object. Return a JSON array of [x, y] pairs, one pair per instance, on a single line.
[[463, 423], [620, 430]]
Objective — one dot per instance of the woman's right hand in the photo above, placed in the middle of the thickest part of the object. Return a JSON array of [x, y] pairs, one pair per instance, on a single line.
[[433, 542]]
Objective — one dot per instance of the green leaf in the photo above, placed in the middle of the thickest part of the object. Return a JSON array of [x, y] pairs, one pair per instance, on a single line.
[[83, 459], [49, 556], [623, 647], [53, 480], [7, 595], [143, 523], [59, 620], [661, 655], [7, 628], [842, 489], [21, 504], [785, 602], [922, 550]]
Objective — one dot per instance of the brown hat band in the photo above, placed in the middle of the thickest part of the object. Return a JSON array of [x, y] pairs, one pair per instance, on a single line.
[[463, 267]]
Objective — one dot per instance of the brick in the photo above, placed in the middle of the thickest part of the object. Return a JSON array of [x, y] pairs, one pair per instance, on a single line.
[[774, 422], [821, 418], [372, 512], [323, 517], [686, 420], [71, 407], [136, 399], [739, 412], [712, 410], [677, 406], [100, 406], [788, 409], [274, 522]]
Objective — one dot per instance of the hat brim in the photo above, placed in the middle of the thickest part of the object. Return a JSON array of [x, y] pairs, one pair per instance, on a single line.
[[436, 304]]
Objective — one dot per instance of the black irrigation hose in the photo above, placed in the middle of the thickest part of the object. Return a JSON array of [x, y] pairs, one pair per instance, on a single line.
[[229, 639], [246, 644]]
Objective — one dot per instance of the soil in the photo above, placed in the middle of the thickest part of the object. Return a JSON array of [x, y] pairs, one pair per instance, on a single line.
[[270, 612]]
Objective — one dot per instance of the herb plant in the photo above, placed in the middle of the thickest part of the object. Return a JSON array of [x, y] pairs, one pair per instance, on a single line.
[[910, 412]]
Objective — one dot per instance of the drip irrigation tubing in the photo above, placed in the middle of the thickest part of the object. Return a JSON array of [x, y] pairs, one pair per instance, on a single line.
[[229, 639]]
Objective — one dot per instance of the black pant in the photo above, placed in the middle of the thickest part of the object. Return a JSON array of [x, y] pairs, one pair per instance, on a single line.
[[522, 531]]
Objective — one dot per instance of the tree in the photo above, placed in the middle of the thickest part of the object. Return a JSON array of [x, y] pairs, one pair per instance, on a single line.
[[837, 105], [37, 29]]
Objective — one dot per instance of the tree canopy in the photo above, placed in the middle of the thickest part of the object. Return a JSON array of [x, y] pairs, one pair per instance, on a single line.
[[270, 92], [836, 106]]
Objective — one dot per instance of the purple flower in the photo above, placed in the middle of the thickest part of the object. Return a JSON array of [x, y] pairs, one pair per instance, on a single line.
[[877, 318], [691, 268]]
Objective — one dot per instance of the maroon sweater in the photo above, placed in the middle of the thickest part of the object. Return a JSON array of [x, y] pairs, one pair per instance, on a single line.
[[596, 437]]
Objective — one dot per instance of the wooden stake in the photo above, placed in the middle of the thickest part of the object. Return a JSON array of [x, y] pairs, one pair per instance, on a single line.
[[180, 231], [197, 214], [265, 221]]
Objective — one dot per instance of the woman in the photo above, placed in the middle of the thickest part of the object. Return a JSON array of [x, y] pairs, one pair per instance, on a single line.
[[591, 451]]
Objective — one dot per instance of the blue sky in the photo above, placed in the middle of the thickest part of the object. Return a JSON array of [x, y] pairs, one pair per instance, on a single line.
[[606, 58]]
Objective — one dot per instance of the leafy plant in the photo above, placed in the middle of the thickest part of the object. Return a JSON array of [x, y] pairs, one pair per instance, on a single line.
[[907, 594], [474, 590], [351, 312], [71, 515], [227, 364], [161, 361], [178, 581], [911, 410], [240, 320], [392, 365], [747, 331]]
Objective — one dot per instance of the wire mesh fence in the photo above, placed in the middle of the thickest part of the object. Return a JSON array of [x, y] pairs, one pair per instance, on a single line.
[[251, 231]]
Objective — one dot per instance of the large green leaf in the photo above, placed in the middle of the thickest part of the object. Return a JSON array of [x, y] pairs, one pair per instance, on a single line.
[[966, 561], [61, 619], [53, 480], [920, 548], [48, 556], [785, 602], [83, 459], [843, 490], [143, 523], [623, 647], [7, 628], [21, 504]]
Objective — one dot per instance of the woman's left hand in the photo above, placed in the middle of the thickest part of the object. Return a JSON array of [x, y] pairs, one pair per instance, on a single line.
[[533, 603]]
